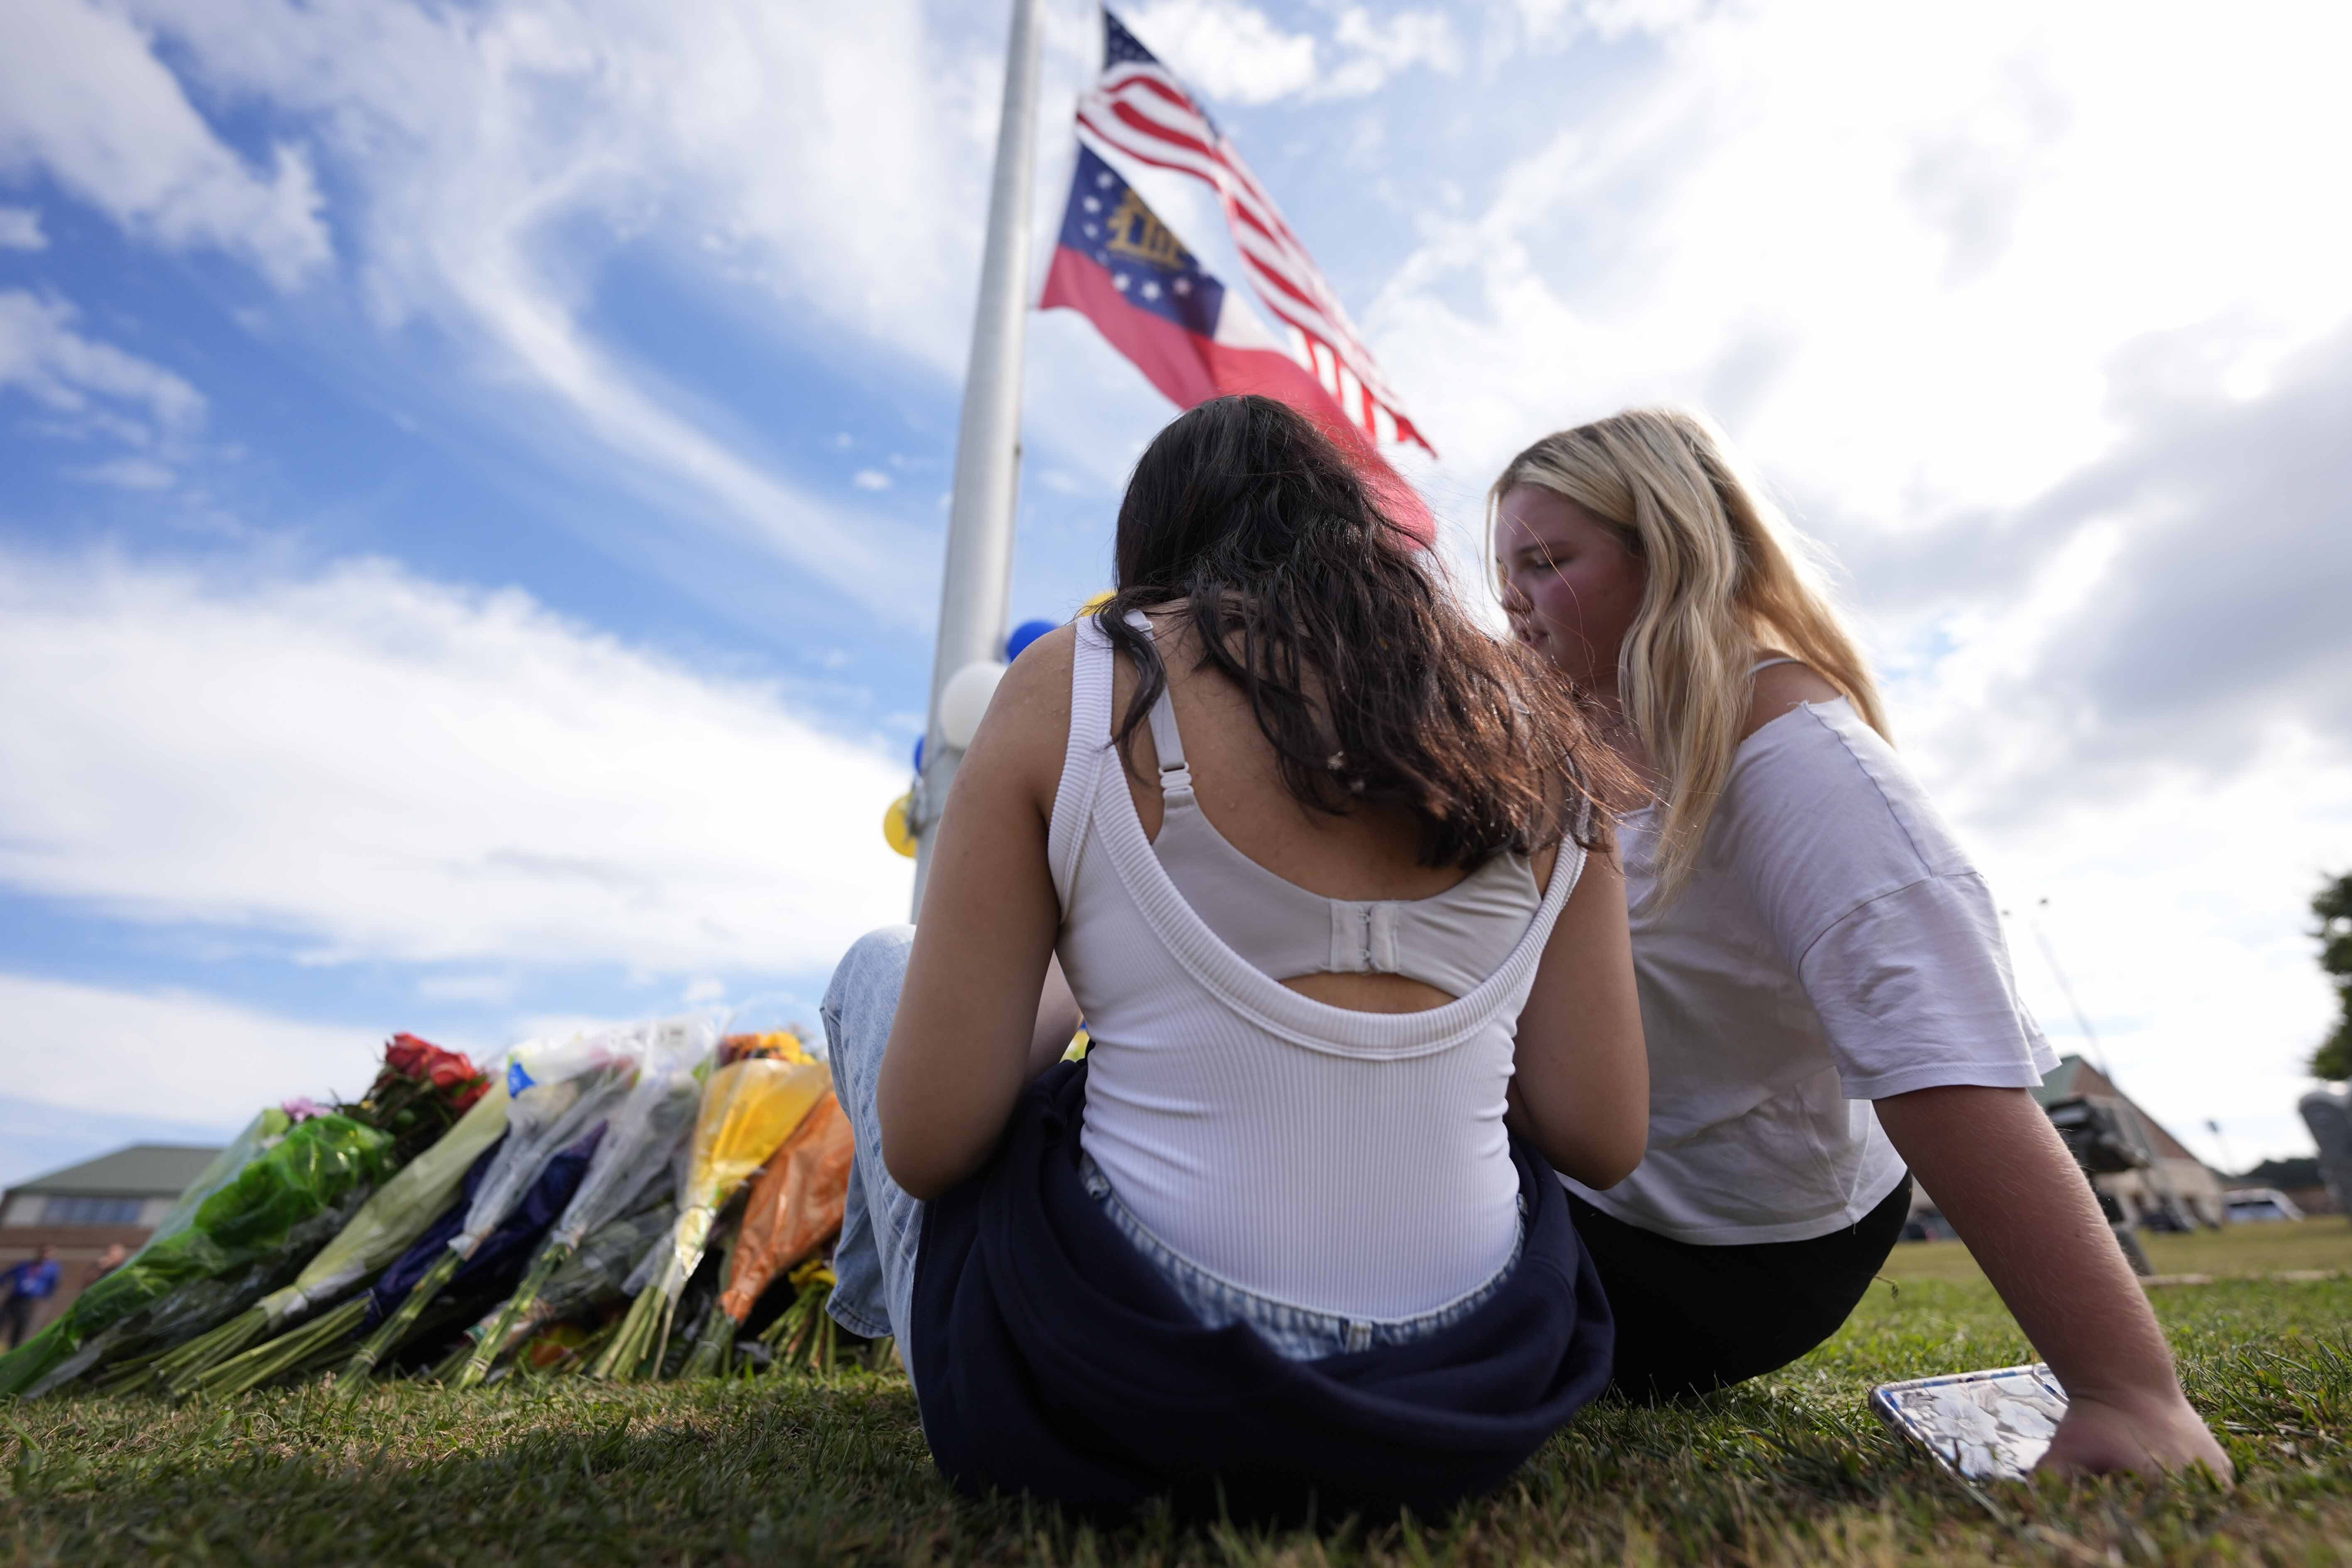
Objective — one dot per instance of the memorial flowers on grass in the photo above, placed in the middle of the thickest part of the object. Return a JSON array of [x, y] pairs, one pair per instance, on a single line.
[[592, 1277], [644, 1135], [384, 1228], [556, 1092], [763, 1086], [795, 1207], [274, 1177]]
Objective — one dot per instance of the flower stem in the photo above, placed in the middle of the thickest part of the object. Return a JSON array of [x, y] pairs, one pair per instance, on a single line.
[[274, 1358], [491, 1345], [394, 1329], [178, 1369]]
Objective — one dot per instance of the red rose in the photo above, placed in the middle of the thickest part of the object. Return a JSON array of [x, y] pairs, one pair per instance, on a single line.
[[448, 1071]]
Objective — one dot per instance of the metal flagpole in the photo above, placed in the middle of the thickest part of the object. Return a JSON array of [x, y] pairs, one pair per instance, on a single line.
[[978, 580]]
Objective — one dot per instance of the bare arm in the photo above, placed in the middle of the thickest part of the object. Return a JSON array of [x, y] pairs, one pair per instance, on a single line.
[[1996, 1168], [977, 1005], [1580, 1082]]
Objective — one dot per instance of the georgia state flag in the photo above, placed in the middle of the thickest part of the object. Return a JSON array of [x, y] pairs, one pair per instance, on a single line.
[[1121, 268]]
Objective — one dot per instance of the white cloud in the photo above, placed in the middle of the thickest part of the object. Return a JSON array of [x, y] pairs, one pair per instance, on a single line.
[[490, 160], [83, 97], [170, 1054], [20, 229], [1226, 50], [380, 768], [1379, 49], [491, 990], [1895, 247], [128, 473], [871, 479], [44, 357], [1232, 52], [1557, 22]]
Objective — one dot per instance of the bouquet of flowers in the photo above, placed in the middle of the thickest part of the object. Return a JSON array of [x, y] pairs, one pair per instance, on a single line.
[[795, 1206], [488, 1273], [556, 1092], [592, 1276], [419, 1094], [763, 1086], [648, 1125], [804, 1333], [276, 1176], [385, 1226]]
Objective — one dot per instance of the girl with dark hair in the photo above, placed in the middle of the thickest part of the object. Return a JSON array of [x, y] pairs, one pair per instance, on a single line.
[[1320, 861]]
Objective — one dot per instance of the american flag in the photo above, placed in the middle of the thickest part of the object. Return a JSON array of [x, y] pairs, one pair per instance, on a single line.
[[1137, 107]]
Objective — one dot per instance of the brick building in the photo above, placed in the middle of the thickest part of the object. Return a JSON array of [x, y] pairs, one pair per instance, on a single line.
[[85, 1209]]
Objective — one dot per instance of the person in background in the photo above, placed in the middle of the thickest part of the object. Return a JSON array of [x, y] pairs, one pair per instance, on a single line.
[[26, 1285], [113, 1258], [1825, 992], [1321, 861]]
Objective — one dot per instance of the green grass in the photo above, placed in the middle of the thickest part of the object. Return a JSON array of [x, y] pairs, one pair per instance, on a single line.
[[1792, 1470]]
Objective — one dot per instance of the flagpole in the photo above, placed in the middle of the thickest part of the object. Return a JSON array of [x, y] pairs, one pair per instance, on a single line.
[[978, 580]]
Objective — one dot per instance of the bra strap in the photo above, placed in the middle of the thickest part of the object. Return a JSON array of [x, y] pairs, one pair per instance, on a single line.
[[1769, 662], [1175, 778]]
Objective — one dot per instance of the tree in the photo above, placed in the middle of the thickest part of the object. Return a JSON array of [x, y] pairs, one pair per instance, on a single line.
[[2332, 1059]]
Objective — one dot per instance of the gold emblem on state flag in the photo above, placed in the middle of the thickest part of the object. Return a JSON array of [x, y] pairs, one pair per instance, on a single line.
[[1136, 230]]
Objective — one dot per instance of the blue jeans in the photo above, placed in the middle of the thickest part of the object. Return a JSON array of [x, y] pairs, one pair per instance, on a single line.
[[882, 1226]]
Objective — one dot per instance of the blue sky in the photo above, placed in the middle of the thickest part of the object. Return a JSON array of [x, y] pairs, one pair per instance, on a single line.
[[476, 475]]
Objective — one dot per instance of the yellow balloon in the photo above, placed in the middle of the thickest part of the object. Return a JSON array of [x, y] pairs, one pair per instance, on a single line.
[[894, 825], [1097, 602]]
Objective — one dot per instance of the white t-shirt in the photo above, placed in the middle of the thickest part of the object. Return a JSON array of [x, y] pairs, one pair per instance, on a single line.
[[1834, 946]]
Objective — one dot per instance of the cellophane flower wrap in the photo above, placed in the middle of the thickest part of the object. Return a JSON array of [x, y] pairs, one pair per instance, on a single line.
[[420, 1097], [293, 1174], [383, 1227], [795, 1207], [556, 1092], [762, 1088], [645, 1129], [592, 1277], [398, 1212]]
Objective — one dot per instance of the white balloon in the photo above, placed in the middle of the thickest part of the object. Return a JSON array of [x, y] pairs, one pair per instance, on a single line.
[[965, 700]]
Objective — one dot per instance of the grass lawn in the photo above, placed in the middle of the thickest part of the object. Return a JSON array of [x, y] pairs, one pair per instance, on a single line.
[[1792, 1470]]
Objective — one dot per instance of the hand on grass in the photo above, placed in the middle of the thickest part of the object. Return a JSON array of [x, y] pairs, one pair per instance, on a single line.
[[2099, 1436]]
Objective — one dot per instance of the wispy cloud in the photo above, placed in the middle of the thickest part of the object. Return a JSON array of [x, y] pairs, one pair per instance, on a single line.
[[373, 766], [82, 97], [20, 229], [44, 356], [1235, 54], [170, 1054], [489, 160]]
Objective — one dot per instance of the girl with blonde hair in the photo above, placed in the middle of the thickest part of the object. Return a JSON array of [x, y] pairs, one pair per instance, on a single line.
[[1826, 994]]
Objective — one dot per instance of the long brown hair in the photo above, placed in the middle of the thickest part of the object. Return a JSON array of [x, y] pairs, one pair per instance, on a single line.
[[1373, 685], [1726, 576]]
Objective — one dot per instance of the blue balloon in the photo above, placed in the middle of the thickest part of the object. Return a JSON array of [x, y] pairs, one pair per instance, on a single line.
[[1028, 631], [919, 754]]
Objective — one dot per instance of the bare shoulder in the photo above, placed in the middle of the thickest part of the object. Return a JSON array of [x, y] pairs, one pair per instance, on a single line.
[[1027, 729], [1780, 689]]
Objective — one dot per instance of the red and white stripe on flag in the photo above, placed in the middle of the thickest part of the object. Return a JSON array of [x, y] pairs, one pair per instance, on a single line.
[[1137, 107]]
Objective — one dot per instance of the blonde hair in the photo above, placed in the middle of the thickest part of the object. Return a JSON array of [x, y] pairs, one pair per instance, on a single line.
[[1727, 576]]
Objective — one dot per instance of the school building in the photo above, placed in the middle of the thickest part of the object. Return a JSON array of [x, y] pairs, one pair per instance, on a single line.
[[86, 1211]]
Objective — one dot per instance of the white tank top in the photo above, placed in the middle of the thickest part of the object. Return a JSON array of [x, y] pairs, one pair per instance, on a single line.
[[1451, 940], [1345, 1162]]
